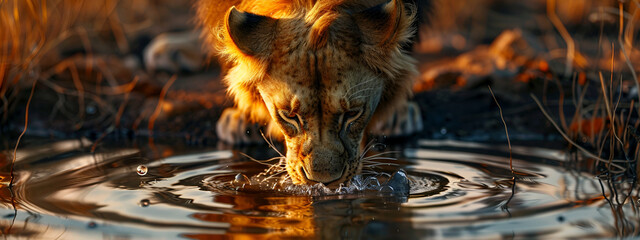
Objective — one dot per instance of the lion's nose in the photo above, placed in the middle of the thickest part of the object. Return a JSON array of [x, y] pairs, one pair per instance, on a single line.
[[321, 166]]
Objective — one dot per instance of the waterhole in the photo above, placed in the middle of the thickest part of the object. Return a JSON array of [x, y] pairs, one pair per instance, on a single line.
[[454, 190]]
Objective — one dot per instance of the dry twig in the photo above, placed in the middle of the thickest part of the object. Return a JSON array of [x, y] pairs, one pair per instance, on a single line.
[[571, 49], [506, 130]]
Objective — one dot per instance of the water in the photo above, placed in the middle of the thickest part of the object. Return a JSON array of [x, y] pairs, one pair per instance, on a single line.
[[155, 191]]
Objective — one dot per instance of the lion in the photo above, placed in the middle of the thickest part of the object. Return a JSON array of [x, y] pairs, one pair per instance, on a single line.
[[317, 74]]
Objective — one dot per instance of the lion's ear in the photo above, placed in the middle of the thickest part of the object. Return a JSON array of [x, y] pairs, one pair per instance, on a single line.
[[252, 34], [384, 23]]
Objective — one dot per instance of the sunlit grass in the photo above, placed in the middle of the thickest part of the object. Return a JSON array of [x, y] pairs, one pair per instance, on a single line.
[[36, 33], [31, 31]]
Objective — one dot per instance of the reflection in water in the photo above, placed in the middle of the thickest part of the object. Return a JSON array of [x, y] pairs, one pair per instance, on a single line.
[[457, 190]]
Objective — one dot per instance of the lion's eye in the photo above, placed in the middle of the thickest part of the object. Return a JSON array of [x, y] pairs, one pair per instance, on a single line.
[[291, 118], [352, 115]]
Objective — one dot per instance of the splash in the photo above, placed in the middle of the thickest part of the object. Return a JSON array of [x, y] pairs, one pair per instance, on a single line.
[[398, 184], [373, 180]]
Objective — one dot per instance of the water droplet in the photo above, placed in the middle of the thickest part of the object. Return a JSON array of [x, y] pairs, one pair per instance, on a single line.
[[92, 224], [91, 109], [145, 202], [142, 170], [443, 131], [386, 191], [240, 180]]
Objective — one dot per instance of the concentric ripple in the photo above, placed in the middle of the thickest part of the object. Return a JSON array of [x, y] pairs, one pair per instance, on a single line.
[[455, 190]]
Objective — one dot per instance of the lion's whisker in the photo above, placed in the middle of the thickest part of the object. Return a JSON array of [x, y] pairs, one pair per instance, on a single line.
[[263, 162], [381, 154], [367, 149], [377, 161], [271, 144], [273, 175], [364, 172], [380, 164], [274, 169], [371, 142], [378, 158]]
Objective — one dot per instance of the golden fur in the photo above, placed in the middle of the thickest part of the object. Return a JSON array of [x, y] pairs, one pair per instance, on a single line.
[[320, 70]]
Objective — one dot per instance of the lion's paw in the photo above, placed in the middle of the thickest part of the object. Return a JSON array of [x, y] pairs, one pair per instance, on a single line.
[[404, 121], [234, 128], [174, 53]]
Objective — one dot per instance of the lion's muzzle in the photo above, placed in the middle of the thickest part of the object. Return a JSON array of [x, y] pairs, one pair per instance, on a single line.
[[323, 165]]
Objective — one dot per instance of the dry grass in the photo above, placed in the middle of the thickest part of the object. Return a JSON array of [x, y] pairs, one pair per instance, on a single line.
[[612, 134], [32, 29], [604, 126], [35, 34]]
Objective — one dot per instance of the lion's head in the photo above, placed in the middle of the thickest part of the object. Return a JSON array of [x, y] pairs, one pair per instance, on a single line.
[[321, 71]]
